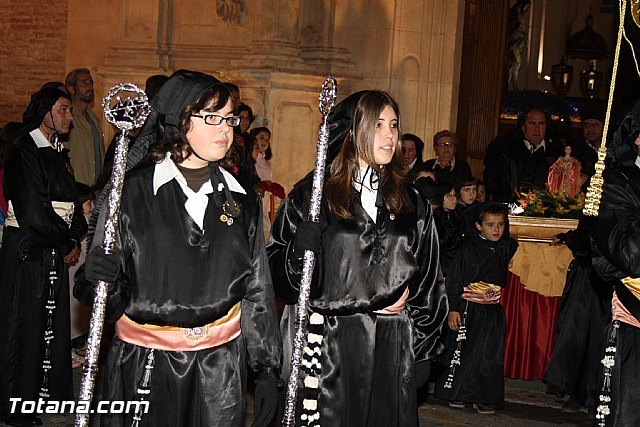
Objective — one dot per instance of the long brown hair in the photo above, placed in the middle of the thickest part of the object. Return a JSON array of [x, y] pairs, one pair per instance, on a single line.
[[213, 98], [359, 144]]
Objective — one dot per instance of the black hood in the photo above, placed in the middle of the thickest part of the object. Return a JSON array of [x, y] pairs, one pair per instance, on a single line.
[[622, 151], [183, 88], [41, 103]]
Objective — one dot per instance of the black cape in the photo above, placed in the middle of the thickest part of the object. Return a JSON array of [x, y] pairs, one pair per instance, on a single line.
[[616, 234], [367, 360], [33, 178], [585, 311], [175, 274]]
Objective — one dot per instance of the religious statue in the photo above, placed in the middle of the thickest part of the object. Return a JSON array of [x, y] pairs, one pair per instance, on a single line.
[[564, 175], [518, 41]]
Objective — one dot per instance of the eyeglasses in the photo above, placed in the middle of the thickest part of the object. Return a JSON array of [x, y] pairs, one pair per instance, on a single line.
[[445, 145], [216, 119]]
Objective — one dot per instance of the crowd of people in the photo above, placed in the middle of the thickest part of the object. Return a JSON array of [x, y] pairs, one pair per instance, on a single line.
[[411, 258]]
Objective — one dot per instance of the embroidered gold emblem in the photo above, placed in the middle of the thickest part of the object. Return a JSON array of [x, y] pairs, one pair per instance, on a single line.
[[195, 334]]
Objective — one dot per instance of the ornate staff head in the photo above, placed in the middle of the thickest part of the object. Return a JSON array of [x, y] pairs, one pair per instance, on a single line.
[[126, 106]]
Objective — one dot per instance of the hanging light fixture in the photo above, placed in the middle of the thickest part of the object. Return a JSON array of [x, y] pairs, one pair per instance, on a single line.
[[590, 81], [561, 76]]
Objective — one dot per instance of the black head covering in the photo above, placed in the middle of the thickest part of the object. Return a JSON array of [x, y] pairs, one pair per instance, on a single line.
[[183, 88], [419, 144], [341, 122], [593, 112], [622, 150], [41, 103]]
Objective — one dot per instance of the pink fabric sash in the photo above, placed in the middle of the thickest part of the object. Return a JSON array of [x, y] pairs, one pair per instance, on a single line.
[[171, 338], [620, 312], [397, 306], [482, 293]]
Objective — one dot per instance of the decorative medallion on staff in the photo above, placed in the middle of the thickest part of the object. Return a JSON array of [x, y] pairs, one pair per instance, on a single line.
[[327, 100], [126, 107]]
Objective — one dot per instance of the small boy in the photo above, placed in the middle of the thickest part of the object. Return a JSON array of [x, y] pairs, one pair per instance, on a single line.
[[474, 356]]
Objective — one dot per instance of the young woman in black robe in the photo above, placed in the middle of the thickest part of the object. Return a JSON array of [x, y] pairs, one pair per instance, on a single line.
[[474, 355], [377, 300], [192, 293], [41, 239]]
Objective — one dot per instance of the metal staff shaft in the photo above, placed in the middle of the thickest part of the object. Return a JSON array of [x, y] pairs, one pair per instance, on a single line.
[[130, 114], [326, 101]]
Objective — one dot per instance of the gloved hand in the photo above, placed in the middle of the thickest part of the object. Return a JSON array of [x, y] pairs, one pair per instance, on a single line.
[[265, 402], [423, 369], [100, 266], [308, 237]]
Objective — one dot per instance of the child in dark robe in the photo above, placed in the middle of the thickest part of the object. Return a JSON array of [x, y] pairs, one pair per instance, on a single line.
[[474, 357]]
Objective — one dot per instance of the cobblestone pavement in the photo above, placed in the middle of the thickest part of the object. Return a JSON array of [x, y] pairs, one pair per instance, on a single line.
[[526, 405]]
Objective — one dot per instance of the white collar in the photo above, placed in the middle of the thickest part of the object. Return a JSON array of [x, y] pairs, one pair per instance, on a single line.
[[638, 161], [39, 138], [166, 170], [368, 194], [532, 147]]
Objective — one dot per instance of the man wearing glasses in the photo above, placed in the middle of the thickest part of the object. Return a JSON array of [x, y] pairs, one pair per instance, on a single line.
[[448, 169]]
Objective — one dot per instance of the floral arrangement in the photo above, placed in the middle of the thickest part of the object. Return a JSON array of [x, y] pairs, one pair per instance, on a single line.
[[550, 204]]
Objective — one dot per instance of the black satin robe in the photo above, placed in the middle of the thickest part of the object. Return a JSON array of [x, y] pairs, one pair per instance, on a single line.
[[480, 376], [585, 311], [617, 236], [368, 360], [33, 177], [174, 274], [450, 226]]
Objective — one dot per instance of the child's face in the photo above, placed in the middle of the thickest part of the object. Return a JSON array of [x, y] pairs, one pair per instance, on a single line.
[[87, 207], [449, 201], [492, 227], [468, 194], [482, 195]]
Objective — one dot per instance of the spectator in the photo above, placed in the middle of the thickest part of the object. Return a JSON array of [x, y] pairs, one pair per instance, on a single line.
[[412, 148], [450, 226], [86, 143], [449, 170], [467, 192], [522, 162], [481, 197]]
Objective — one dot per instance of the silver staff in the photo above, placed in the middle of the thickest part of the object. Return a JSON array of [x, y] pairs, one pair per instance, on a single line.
[[327, 100], [127, 107]]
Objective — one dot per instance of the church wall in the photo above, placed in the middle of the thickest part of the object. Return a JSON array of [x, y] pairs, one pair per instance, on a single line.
[[32, 51], [278, 52]]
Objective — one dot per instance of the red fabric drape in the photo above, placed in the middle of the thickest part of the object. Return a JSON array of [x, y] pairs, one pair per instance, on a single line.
[[531, 325]]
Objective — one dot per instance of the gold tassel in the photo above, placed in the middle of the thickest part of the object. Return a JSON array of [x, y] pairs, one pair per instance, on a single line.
[[594, 192]]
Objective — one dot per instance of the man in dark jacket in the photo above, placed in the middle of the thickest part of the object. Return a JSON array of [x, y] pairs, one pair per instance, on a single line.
[[523, 163]]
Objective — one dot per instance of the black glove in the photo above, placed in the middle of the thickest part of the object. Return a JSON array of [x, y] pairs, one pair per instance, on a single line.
[[265, 402], [308, 237], [423, 369], [100, 266]]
